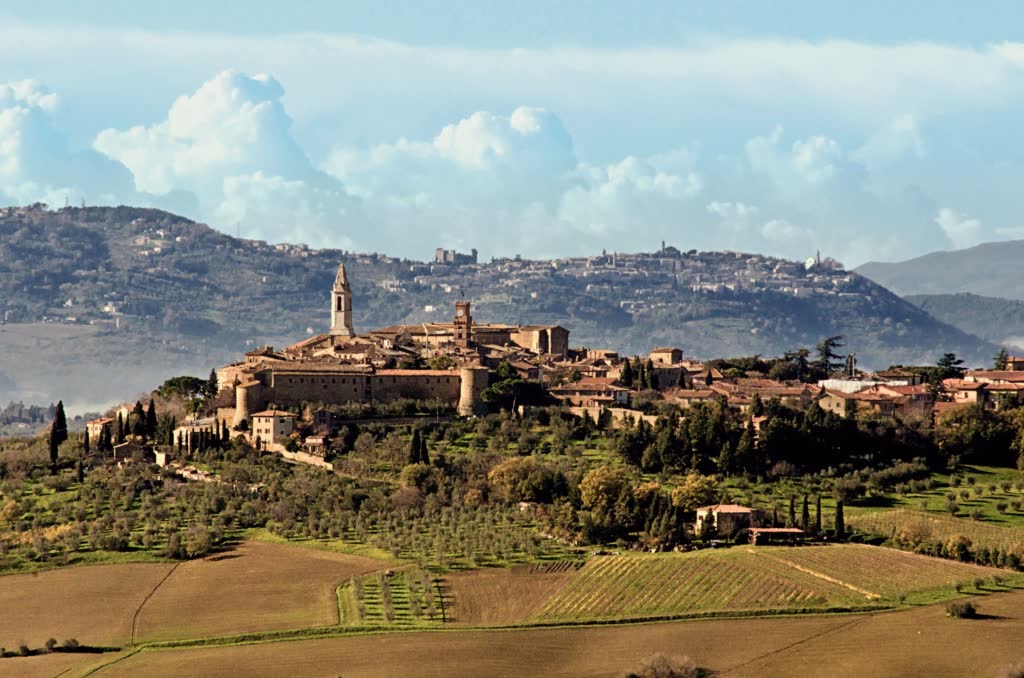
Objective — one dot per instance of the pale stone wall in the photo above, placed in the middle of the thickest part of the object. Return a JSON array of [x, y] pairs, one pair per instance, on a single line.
[[385, 387], [328, 387]]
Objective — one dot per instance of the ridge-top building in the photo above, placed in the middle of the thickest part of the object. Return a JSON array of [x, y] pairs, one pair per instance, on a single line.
[[341, 366]]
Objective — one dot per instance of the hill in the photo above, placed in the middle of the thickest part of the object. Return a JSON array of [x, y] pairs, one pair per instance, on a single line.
[[102, 302], [989, 269], [1000, 321]]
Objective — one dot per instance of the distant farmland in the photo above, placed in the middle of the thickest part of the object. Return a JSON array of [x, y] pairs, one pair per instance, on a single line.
[[738, 580]]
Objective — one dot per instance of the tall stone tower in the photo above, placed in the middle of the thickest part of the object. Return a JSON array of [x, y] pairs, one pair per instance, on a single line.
[[341, 305], [463, 324]]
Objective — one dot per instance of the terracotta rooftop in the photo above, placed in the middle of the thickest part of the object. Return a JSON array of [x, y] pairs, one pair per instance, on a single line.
[[726, 508], [274, 413]]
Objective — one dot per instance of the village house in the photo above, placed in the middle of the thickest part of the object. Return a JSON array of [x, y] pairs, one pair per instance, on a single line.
[[271, 427], [870, 401], [95, 428], [592, 392]]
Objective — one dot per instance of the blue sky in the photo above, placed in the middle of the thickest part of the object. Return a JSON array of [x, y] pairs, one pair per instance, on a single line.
[[868, 131]]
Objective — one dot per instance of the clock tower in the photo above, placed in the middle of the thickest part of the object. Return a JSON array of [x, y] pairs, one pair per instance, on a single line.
[[462, 324]]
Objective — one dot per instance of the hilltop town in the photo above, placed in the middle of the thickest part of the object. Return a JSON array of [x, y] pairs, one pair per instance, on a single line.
[[287, 400]]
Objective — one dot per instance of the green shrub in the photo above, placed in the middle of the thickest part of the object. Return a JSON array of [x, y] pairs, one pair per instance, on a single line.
[[962, 610]]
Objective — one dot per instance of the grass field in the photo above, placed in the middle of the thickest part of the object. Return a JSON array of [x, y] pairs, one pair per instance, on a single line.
[[913, 642], [255, 587], [93, 604]]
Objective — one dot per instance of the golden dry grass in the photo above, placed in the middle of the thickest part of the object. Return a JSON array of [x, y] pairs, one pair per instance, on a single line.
[[920, 641], [495, 597], [255, 587], [93, 604]]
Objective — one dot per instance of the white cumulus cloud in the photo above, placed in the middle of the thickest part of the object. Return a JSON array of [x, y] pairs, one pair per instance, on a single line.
[[229, 143], [962, 230]]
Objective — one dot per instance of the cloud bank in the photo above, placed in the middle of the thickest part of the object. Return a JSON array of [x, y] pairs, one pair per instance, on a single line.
[[779, 146]]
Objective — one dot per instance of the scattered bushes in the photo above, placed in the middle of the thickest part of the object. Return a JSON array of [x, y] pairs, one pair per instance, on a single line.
[[664, 666]]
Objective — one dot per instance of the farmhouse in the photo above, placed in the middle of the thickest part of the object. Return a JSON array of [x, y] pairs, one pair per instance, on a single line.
[[727, 518]]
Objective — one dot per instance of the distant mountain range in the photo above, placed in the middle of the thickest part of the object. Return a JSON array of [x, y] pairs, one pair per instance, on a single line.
[[992, 270], [100, 303], [1000, 321]]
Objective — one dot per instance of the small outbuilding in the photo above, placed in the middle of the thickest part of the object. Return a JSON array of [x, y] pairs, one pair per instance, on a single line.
[[761, 536]]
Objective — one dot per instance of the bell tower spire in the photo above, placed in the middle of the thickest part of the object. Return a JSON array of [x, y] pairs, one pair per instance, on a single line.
[[341, 305]]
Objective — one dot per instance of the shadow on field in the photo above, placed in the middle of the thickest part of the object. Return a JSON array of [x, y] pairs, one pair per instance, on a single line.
[[223, 556]]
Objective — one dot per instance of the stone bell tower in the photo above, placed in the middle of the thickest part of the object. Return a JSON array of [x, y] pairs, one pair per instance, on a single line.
[[462, 324], [341, 305]]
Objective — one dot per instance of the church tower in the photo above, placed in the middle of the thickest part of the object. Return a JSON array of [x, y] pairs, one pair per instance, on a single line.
[[341, 305], [462, 324]]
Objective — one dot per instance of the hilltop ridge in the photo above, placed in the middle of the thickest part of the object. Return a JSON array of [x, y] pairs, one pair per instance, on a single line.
[[122, 280]]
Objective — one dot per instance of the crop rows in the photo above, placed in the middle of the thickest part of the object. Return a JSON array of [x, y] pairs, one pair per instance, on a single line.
[[669, 584], [749, 579], [404, 598], [940, 527], [884, 572]]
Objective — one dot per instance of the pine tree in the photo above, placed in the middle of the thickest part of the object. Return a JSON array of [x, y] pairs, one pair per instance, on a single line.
[[1002, 360], [211, 385]]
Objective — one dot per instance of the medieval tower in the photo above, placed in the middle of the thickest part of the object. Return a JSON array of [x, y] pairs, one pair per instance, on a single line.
[[462, 325], [341, 305]]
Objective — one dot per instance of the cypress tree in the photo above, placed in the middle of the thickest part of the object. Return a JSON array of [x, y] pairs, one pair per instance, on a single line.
[[626, 376], [58, 434], [649, 378], [840, 522], [414, 447], [792, 511], [805, 515], [151, 423], [424, 453], [85, 444], [817, 515], [120, 429]]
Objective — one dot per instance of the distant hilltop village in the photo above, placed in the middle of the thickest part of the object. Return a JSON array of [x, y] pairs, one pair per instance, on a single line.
[[387, 364], [453, 363]]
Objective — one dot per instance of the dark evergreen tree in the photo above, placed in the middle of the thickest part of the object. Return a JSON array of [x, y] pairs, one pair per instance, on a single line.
[[424, 452], [650, 379], [138, 421], [817, 515], [792, 512], [58, 434], [1002, 360], [626, 375], [805, 515], [414, 447], [756, 406], [840, 521], [151, 421], [211, 385]]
